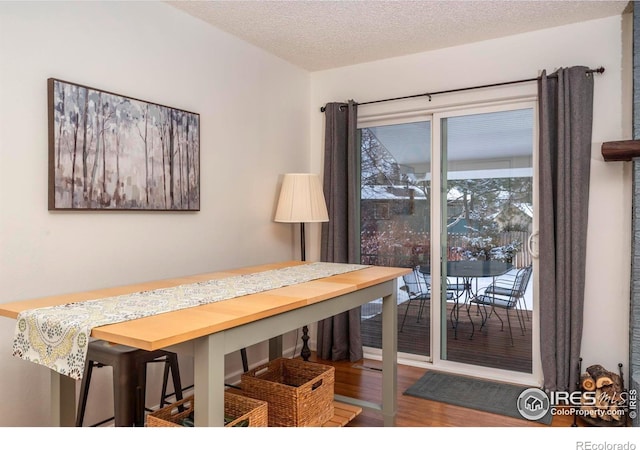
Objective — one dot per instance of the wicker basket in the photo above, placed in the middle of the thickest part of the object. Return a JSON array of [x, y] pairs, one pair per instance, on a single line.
[[241, 408], [299, 393]]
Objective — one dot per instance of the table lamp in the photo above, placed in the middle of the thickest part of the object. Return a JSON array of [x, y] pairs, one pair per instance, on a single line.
[[301, 201]]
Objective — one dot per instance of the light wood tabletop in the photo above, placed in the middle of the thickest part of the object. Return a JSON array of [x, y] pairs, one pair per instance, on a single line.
[[163, 330], [222, 327]]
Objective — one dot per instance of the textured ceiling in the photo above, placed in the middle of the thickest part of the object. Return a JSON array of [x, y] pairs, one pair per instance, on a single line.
[[325, 34]]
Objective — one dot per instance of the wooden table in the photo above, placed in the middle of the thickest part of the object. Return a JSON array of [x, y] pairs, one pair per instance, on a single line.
[[223, 327]]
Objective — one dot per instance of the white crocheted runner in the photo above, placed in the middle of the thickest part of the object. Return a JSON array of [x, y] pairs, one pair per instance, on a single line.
[[57, 336]]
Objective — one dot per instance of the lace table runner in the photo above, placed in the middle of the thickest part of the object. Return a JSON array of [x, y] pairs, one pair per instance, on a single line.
[[57, 336]]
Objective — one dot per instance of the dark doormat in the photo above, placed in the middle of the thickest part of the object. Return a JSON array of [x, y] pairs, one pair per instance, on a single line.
[[489, 396]]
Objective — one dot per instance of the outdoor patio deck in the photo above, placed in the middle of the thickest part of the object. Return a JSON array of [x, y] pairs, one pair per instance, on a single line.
[[490, 347]]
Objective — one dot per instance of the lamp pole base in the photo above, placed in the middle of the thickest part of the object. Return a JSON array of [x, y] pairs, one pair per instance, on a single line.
[[305, 352]]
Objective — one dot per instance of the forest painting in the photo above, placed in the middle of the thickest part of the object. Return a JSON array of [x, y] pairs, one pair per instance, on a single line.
[[110, 152]]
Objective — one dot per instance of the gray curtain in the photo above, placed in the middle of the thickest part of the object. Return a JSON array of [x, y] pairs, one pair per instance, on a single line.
[[339, 337], [566, 112]]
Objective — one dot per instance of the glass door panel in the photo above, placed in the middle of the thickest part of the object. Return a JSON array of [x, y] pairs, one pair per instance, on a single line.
[[486, 218], [395, 225]]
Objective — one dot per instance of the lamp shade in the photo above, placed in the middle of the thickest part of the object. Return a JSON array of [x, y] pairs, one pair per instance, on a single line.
[[301, 199]]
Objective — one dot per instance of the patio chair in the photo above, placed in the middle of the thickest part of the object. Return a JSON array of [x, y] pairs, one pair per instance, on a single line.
[[454, 292], [513, 285], [418, 290], [504, 293]]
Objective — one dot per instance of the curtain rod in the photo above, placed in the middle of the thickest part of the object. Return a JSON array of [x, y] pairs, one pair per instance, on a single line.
[[429, 94]]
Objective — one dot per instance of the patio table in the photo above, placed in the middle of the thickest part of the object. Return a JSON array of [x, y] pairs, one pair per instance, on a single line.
[[468, 270]]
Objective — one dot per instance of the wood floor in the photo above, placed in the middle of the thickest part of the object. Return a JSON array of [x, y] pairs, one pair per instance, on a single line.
[[363, 380]]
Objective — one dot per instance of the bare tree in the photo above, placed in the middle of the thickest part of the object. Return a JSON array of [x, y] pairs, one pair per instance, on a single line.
[[163, 131], [106, 118], [85, 150], [188, 119], [143, 135], [117, 193], [60, 108], [75, 148], [99, 130], [180, 153], [152, 189], [171, 158]]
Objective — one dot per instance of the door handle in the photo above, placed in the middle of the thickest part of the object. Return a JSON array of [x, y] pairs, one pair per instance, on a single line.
[[530, 245]]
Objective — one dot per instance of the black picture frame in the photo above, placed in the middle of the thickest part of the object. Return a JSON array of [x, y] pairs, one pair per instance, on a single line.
[[112, 152]]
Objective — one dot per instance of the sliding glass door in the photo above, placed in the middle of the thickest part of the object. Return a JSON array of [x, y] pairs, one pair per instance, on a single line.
[[450, 195], [487, 208]]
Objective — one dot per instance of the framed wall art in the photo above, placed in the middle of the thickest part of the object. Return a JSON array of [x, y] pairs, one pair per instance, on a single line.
[[112, 152]]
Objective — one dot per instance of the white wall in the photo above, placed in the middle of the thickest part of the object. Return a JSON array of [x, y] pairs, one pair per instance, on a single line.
[[254, 127], [259, 118], [594, 43]]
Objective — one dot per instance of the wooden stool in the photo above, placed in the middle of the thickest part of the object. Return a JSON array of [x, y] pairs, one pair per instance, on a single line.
[[129, 379]]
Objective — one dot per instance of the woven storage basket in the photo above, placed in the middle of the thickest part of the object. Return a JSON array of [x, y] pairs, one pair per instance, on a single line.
[[237, 406], [299, 393]]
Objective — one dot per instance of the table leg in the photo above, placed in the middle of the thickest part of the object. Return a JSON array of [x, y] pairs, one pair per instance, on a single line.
[[208, 381], [455, 311], [473, 327], [389, 357], [63, 400], [467, 292], [471, 294], [454, 315]]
